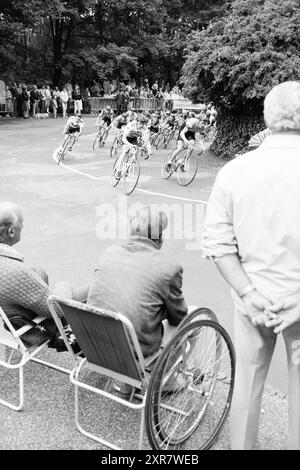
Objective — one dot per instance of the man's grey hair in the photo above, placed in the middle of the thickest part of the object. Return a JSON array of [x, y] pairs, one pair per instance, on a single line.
[[148, 222], [282, 107], [9, 216]]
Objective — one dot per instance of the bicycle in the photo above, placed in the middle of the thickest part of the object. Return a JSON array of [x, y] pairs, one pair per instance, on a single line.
[[185, 166], [101, 137], [72, 138], [130, 171], [117, 143]]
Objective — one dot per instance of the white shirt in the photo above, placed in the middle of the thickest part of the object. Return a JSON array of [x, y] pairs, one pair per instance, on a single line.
[[254, 210]]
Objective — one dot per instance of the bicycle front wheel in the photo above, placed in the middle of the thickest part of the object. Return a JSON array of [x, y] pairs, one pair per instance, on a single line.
[[131, 176], [187, 170], [114, 180], [96, 140], [166, 171]]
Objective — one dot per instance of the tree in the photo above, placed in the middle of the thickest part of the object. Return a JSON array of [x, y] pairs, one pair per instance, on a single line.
[[238, 59]]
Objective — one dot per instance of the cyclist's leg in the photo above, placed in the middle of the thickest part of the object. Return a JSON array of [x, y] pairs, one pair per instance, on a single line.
[[119, 165], [75, 138], [176, 152], [66, 136]]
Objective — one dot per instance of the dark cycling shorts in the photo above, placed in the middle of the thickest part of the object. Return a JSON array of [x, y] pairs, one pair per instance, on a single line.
[[107, 120], [189, 135], [132, 140], [72, 130], [120, 125], [154, 129]]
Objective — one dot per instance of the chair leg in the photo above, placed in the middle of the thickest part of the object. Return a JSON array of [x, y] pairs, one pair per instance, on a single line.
[[142, 429], [18, 407]]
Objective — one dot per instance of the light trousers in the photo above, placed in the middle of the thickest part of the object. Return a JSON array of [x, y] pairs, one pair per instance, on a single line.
[[254, 348]]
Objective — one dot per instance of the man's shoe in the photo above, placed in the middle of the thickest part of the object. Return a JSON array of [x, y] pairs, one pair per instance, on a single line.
[[118, 174], [168, 166], [125, 390]]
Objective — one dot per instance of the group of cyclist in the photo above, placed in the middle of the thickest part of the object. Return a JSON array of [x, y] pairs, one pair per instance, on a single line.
[[142, 129]]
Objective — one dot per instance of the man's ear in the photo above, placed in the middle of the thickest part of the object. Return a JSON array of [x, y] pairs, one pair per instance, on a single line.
[[11, 232]]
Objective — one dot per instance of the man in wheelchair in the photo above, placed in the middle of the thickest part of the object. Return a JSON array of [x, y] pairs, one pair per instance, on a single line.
[[140, 281]]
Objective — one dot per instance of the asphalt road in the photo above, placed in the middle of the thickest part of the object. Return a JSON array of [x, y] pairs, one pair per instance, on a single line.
[[72, 213]]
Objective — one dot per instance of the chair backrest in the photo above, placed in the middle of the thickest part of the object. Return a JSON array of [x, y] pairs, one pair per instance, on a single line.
[[107, 339]]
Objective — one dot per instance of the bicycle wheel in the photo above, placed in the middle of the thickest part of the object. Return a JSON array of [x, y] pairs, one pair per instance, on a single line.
[[199, 314], [190, 389], [131, 175], [114, 181], [158, 141], [114, 148], [166, 173], [187, 170], [201, 147], [62, 153], [103, 138], [96, 140]]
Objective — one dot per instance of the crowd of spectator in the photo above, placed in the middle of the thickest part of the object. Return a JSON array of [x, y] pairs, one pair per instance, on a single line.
[[28, 101]]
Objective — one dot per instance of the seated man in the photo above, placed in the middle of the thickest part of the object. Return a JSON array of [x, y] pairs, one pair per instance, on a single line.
[[140, 281], [23, 289]]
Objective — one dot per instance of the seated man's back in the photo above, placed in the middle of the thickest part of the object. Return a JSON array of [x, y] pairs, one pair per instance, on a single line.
[[139, 281]]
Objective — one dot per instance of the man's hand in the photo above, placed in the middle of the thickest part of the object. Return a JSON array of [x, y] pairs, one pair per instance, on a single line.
[[287, 313], [256, 306]]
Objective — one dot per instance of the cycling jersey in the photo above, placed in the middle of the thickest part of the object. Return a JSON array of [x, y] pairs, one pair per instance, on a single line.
[[73, 125], [121, 122]]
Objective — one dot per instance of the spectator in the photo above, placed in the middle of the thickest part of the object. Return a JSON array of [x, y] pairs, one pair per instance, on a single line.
[[64, 98], [23, 289], [120, 102], [77, 97], [14, 92], [19, 91], [25, 102], [55, 102], [9, 100], [252, 233], [86, 96], [34, 99], [48, 98], [43, 99], [95, 89], [147, 284], [107, 88], [155, 88]]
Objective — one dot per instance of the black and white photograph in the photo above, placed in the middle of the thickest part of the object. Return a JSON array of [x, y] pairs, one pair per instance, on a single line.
[[149, 228]]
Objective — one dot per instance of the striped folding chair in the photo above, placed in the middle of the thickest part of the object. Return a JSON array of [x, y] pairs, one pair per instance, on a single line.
[[11, 339]]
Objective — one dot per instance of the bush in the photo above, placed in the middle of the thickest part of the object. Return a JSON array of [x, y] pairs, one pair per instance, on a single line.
[[235, 131]]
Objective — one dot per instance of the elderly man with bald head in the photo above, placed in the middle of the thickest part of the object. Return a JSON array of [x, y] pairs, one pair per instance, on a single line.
[[23, 289]]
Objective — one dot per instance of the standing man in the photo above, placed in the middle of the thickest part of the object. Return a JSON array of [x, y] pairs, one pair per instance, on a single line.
[[252, 233], [34, 98], [64, 98]]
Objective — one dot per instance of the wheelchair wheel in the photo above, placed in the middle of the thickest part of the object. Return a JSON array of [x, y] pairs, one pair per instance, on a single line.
[[190, 389], [187, 170], [199, 314], [131, 176]]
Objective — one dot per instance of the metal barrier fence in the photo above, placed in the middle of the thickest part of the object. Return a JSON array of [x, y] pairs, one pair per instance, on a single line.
[[135, 104]]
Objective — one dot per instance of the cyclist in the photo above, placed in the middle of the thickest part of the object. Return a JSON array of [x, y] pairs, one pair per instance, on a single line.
[[74, 126], [130, 137], [120, 122], [145, 131], [187, 137], [105, 118], [154, 123]]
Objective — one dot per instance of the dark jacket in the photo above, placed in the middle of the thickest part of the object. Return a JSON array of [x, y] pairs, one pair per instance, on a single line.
[[141, 282]]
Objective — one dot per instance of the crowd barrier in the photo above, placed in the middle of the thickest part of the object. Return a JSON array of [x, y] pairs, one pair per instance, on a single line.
[[135, 104]]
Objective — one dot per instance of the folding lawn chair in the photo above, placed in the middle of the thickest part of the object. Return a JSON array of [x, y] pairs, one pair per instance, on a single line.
[[11, 339], [171, 416]]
